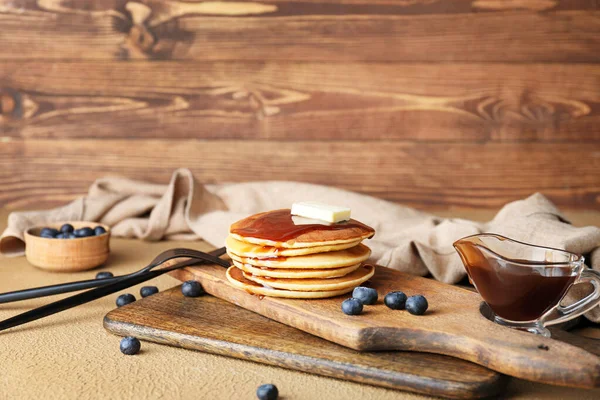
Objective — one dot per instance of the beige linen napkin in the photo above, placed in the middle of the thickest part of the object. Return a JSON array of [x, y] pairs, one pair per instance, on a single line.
[[406, 239]]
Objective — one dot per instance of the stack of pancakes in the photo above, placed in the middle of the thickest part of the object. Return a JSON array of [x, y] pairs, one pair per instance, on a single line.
[[274, 256]]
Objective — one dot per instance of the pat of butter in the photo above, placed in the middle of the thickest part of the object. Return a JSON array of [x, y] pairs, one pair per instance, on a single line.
[[320, 211]]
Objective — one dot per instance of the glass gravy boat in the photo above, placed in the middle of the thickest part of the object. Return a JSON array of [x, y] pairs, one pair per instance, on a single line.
[[524, 284]]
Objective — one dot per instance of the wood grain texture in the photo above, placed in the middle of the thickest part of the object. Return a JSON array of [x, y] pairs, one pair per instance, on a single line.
[[413, 87], [452, 326], [422, 175], [212, 325], [286, 101], [541, 30]]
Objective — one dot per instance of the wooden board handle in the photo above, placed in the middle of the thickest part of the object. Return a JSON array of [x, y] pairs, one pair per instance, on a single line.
[[514, 353]]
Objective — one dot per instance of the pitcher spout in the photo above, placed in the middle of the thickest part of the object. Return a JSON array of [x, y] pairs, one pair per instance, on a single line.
[[468, 248]]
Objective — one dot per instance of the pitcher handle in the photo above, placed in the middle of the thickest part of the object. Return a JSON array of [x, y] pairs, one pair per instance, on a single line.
[[565, 313]]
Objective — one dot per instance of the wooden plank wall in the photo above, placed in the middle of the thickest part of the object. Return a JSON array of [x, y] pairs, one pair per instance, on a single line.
[[432, 103]]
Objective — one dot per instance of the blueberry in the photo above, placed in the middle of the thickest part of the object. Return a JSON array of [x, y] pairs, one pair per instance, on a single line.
[[66, 228], [84, 232], [70, 236], [416, 305], [125, 299], [104, 275], [130, 345], [148, 291], [267, 392], [48, 232], [352, 306], [99, 230], [61, 236], [192, 289], [365, 295], [395, 300]]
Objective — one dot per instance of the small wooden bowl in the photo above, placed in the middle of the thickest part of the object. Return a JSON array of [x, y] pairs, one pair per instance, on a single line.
[[67, 255]]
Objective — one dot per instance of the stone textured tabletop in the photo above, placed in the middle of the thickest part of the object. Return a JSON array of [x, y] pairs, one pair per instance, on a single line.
[[71, 356]]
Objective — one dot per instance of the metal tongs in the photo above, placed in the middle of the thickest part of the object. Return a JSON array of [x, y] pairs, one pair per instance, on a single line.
[[104, 286]]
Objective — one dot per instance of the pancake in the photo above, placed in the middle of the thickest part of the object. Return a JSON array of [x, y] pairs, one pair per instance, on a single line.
[[235, 277], [348, 281], [333, 259], [251, 250], [296, 273], [277, 229]]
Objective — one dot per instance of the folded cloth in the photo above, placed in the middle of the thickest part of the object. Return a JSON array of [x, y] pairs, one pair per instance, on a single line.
[[406, 239]]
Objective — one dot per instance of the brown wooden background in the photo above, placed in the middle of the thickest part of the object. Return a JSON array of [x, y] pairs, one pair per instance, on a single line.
[[427, 102]]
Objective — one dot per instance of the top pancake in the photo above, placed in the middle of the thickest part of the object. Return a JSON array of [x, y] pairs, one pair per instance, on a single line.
[[277, 229]]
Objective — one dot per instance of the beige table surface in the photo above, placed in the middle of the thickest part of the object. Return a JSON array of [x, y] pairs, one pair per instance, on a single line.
[[71, 356]]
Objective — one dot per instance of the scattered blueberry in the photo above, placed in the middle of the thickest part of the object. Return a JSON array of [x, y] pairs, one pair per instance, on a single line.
[[84, 232], [48, 232], [395, 300], [125, 299], [365, 295], [148, 291], [99, 230], [104, 275], [352, 306], [66, 228], [192, 289], [130, 345], [416, 305], [267, 392]]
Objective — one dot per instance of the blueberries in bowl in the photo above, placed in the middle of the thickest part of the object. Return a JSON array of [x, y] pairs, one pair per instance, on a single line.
[[84, 232], [367, 296], [67, 228], [68, 232], [48, 232]]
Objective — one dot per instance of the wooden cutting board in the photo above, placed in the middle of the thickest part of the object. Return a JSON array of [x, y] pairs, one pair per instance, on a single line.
[[212, 325], [452, 326]]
